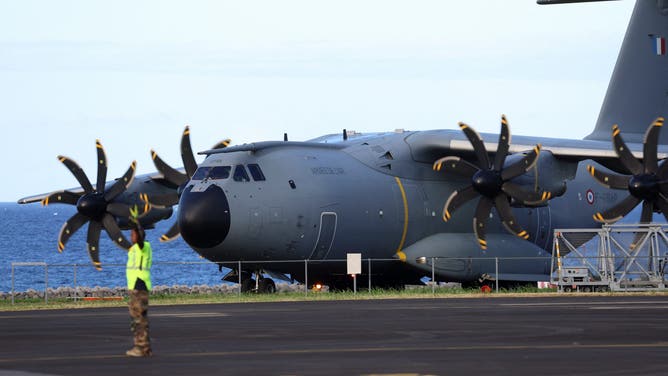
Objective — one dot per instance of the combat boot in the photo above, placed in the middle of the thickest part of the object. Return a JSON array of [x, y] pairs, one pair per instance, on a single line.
[[136, 352]]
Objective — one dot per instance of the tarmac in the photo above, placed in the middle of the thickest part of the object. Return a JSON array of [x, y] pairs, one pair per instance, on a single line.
[[573, 335]]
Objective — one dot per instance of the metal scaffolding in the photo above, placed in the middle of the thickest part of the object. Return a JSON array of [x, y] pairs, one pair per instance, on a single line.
[[614, 257]]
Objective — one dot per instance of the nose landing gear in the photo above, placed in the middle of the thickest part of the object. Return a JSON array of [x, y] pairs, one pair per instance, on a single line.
[[259, 284]]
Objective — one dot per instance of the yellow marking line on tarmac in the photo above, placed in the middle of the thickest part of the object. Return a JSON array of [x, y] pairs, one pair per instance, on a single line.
[[37, 316], [665, 306], [190, 315], [600, 346], [606, 303]]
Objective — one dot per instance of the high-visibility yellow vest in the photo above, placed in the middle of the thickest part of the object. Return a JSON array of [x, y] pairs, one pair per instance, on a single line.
[[139, 265]]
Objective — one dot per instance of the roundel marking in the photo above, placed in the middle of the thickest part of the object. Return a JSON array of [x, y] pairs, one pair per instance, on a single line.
[[590, 197]]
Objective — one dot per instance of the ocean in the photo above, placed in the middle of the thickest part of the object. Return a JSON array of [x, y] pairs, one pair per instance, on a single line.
[[29, 233]]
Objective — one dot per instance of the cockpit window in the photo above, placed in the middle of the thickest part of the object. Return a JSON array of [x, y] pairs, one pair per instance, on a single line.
[[200, 173], [256, 172], [240, 173], [217, 172]]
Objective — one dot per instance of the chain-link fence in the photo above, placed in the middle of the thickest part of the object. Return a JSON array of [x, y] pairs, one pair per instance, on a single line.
[[82, 281]]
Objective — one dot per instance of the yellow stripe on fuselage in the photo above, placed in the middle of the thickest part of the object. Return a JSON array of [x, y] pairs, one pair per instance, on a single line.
[[400, 253]]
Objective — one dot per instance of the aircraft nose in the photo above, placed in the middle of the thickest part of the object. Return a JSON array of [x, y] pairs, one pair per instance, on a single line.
[[204, 217]]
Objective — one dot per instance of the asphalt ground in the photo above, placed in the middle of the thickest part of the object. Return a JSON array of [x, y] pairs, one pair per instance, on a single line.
[[577, 335]]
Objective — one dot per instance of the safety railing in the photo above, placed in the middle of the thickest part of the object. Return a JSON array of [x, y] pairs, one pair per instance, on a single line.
[[626, 257]]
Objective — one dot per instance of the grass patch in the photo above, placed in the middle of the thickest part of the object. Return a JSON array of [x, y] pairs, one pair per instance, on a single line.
[[413, 293], [176, 299]]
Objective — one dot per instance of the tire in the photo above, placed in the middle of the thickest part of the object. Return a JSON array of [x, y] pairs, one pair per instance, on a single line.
[[567, 289], [248, 285], [267, 286]]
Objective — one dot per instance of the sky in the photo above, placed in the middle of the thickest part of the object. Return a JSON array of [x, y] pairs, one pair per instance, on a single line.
[[134, 74]]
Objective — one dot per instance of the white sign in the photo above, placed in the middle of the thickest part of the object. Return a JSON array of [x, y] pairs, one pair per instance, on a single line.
[[354, 263]]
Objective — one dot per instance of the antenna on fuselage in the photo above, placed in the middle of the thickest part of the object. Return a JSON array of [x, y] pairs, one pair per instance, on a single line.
[[345, 135]]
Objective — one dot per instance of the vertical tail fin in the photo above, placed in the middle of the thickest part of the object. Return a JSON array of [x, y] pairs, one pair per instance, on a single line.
[[638, 90]]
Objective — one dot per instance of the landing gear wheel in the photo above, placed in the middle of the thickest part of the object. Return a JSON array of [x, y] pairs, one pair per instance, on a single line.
[[267, 286], [248, 285]]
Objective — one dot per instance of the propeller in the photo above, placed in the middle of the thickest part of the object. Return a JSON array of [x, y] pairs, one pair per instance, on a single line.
[[648, 182], [492, 182], [177, 178], [95, 206]]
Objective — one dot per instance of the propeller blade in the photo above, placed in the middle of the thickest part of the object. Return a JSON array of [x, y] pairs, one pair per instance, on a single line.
[[455, 165], [482, 212], [118, 209], [503, 145], [456, 200], [101, 167], [521, 166], [187, 155], [478, 145], [114, 231], [93, 242], [172, 233], [121, 184], [663, 170], [609, 180], [647, 210], [69, 228], [525, 197], [143, 197], [645, 217], [624, 154], [618, 211], [172, 175], [650, 143], [64, 197], [164, 200], [222, 144], [507, 217], [78, 173], [662, 203], [663, 187]]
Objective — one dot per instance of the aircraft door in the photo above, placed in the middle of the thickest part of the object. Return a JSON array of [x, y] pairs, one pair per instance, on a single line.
[[255, 222], [323, 243], [544, 227]]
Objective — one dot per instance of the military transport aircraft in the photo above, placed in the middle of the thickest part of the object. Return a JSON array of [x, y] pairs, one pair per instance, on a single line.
[[455, 195]]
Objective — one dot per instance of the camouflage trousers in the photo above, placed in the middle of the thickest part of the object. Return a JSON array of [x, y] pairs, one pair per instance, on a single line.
[[139, 319]]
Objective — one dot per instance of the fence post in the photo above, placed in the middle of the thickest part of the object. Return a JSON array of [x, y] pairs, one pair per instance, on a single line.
[[496, 277], [305, 277], [369, 274], [46, 283], [433, 276], [12, 283], [76, 294], [239, 273]]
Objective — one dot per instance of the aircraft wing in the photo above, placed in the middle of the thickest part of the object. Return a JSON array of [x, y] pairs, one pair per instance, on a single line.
[[140, 181], [429, 146]]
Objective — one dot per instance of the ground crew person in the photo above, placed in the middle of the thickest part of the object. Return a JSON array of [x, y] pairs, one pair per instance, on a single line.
[[138, 272]]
